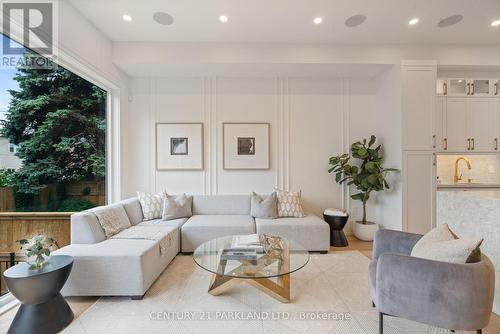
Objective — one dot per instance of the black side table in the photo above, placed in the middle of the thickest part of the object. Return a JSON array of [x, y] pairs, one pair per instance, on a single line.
[[43, 309], [337, 236]]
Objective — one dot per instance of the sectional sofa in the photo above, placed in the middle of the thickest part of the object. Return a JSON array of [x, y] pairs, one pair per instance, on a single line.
[[128, 267]]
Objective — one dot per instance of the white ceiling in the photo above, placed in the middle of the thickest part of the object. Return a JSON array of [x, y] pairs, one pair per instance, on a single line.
[[290, 21]]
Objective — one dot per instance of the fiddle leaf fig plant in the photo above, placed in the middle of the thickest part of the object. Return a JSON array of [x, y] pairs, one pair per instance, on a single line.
[[367, 175]]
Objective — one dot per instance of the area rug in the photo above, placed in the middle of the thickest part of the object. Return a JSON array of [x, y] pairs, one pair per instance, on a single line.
[[329, 295]]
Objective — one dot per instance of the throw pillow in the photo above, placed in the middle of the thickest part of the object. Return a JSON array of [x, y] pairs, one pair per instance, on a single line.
[[290, 204], [112, 218], [266, 208], [441, 244], [152, 204], [177, 207]]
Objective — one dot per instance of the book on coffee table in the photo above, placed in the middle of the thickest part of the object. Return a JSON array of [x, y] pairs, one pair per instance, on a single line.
[[247, 242], [239, 254]]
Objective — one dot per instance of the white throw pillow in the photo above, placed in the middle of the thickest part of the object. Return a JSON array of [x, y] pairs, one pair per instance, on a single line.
[[152, 204], [290, 204], [441, 244], [175, 207], [112, 218]]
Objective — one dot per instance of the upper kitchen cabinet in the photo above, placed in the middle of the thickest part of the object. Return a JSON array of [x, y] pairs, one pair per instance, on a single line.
[[469, 125], [470, 87], [419, 96]]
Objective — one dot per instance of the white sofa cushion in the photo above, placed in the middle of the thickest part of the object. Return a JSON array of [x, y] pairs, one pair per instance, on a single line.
[[290, 204], [310, 232], [113, 218], [160, 222], [221, 205], [201, 228], [133, 209]]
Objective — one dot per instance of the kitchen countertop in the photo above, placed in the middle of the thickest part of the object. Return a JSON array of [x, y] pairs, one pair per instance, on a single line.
[[466, 186]]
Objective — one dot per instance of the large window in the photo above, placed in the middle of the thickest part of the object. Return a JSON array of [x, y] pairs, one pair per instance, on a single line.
[[52, 151]]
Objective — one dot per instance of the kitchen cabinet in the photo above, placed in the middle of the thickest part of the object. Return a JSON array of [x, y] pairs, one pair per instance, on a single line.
[[496, 87], [439, 122], [471, 87], [419, 96], [455, 125], [469, 124], [419, 191], [496, 125]]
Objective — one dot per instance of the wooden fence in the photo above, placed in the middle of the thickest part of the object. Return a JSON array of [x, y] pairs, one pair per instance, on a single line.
[[7, 200], [20, 225]]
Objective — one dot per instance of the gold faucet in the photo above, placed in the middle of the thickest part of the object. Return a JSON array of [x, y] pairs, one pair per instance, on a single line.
[[457, 177]]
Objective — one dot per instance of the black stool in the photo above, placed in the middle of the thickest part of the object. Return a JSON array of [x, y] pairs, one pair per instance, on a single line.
[[337, 236]]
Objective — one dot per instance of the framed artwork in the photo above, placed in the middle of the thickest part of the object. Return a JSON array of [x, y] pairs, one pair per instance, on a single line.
[[246, 145], [179, 146]]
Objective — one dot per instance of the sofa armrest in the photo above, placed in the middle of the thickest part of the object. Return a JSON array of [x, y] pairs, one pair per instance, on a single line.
[[389, 241], [85, 228], [446, 295]]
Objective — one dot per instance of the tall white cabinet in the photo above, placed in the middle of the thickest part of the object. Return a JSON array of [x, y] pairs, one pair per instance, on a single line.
[[420, 139]]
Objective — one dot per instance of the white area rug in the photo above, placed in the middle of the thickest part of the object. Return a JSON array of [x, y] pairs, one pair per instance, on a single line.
[[331, 284]]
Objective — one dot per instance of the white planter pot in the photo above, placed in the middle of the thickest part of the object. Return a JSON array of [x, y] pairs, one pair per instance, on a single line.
[[365, 232]]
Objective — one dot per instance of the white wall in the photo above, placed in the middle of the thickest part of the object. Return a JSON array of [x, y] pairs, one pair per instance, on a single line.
[[311, 119]]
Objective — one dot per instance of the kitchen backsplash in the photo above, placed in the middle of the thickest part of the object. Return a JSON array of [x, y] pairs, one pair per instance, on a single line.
[[485, 168]]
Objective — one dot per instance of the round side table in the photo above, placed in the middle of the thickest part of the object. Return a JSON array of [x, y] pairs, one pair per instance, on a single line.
[[337, 236], [43, 309]]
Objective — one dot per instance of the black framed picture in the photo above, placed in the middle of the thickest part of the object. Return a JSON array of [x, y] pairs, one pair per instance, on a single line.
[[246, 145], [179, 146]]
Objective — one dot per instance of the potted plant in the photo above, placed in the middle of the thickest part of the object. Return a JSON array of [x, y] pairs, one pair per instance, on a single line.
[[37, 250], [367, 176]]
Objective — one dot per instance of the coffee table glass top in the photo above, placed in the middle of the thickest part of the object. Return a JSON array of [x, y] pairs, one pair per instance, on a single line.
[[285, 257]]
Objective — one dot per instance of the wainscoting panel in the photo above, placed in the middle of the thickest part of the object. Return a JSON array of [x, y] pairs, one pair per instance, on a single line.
[[311, 119]]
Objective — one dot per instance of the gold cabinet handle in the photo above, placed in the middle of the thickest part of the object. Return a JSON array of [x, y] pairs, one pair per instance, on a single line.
[[434, 162], [496, 88], [445, 144], [468, 89], [433, 141], [445, 88], [496, 144], [468, 144], [472, 89], [473, 144]]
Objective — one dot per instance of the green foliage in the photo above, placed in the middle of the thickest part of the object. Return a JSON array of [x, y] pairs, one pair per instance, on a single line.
[[58, 121], [86, 191], [367, 176], [75, 205], [5, 178]]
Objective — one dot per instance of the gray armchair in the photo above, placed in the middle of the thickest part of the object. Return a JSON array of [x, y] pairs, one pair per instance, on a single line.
[[441, 294]]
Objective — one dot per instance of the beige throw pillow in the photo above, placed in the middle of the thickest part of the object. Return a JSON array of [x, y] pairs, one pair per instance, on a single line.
[[290, 204], [112, 218], [441, 244], [152, 204], [265, 208], [175, 207]]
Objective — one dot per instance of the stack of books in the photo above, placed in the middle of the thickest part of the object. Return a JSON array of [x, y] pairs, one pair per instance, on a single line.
[[244, 247]]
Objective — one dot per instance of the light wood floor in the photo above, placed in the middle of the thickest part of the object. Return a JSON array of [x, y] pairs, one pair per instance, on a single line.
[[80, 304]]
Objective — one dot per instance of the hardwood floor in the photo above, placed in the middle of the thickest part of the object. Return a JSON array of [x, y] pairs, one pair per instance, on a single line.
[[366, 249], [81, 304]]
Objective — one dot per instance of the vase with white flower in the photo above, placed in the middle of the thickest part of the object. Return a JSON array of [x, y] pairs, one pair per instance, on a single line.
[[37, 250]]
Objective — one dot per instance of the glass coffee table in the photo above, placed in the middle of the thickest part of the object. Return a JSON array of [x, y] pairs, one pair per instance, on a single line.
[[269, 272]]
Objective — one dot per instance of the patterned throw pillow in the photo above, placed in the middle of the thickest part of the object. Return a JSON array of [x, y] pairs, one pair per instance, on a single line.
[[152, 204], [290, 204], [113, 219]]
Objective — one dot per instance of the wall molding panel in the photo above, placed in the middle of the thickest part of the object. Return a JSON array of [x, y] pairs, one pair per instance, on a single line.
[[310, 118]]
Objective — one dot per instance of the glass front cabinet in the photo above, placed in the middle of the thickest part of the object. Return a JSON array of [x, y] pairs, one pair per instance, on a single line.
[[479, 87]]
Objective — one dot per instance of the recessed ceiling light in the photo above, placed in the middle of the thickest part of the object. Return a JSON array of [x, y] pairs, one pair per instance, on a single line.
[[450, 20], [223, 18], [318, 20], [163, 18], [126, 18], [355, 20], [413, 21], [495, 23]]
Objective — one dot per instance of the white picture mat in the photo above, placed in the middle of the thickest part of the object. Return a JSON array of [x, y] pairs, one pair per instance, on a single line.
[[259, 131], [194, 158]]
